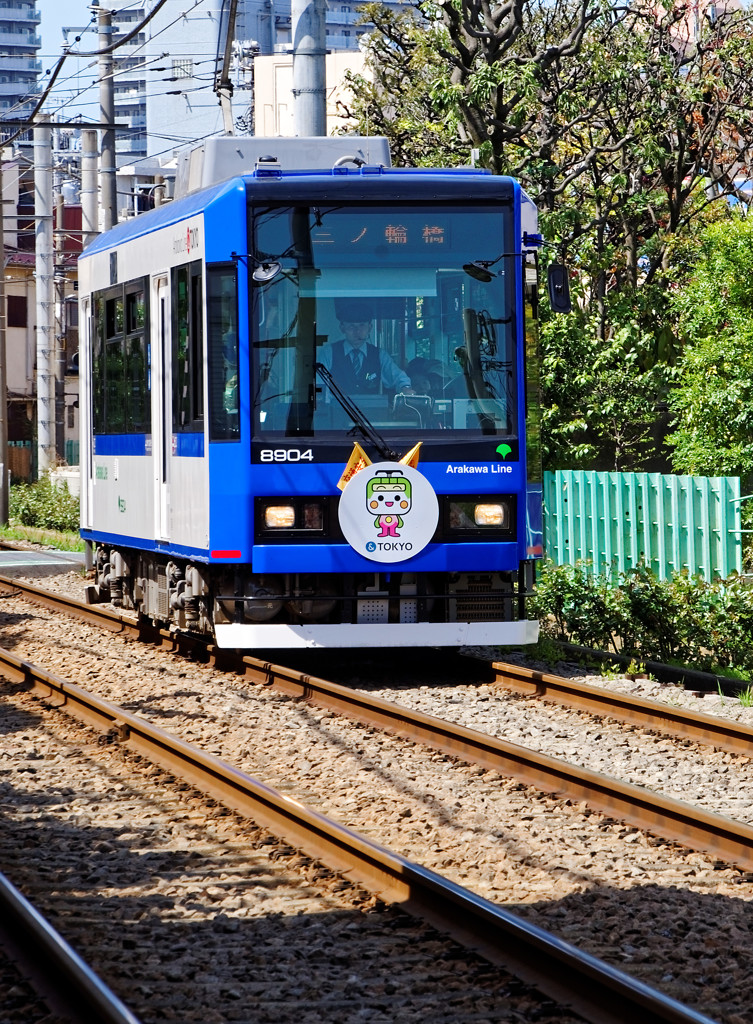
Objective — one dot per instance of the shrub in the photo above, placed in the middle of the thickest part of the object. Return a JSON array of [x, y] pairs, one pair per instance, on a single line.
[[685, 619], [44, 506]]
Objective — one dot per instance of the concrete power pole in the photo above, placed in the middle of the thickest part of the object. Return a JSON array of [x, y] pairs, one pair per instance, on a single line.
[[59, 361], [107, 116], [309, 76], [89, 187], [223, 85], [4, 483], [45, 286]]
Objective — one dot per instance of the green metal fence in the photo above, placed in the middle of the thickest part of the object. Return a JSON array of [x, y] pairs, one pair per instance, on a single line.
[[22, 458], [618, 520], [71, 453]]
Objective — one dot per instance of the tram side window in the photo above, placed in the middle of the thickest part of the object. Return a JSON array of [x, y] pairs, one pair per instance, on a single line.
[[138, 403], [188, 374], [222, 343], [120, 361]]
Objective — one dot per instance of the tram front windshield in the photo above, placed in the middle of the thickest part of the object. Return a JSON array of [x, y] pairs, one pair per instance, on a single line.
[[372, 308]]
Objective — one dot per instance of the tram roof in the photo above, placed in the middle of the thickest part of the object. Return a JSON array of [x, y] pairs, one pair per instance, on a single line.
[[367, 183]]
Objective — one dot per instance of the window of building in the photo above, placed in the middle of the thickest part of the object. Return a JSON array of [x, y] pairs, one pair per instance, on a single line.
[[183, 68], [18, 311]]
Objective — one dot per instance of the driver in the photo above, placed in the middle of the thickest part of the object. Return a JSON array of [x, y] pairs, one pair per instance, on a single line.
[[359, 366]]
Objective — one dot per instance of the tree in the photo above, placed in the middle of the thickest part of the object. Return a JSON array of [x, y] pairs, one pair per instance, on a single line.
[[626, 127], [713, 398], [398, 98], [477, 69]]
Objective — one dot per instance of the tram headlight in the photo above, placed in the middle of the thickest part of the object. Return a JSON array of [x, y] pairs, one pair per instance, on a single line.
[[473, 517], [490, 515], [297, 514], [279, 517]]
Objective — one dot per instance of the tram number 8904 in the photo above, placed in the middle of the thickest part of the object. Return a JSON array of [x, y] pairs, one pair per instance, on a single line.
[[286, 455]]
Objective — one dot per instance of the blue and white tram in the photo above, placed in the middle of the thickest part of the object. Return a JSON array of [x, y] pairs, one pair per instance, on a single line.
[[242, 475]]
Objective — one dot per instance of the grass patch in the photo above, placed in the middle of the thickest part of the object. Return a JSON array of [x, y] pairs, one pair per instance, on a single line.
[[545, 649], [61, 540]]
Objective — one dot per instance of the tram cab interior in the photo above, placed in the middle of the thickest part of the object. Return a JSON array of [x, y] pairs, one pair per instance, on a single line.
[[447, 338]]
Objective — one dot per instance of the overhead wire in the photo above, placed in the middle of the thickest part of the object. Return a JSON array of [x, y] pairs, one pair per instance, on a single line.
[[54, 73], [134, 51], [75, 53], [116, 73], [169, 24], [123, 39]]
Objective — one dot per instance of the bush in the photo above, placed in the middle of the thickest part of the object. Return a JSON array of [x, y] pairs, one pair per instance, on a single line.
[[43, 506], [684, 620]]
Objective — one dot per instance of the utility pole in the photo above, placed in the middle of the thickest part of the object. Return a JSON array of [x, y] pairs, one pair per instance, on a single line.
[[59, 331], [309, 76], [3, 363], [223, 84], [89, 187], [107, 116], [45, 286]]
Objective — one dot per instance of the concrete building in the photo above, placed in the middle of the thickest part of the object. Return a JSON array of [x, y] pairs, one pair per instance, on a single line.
[[164, 76], [20, 310], [181, 104], [269, 24], [129, 82], [19, 64], [273, 89]]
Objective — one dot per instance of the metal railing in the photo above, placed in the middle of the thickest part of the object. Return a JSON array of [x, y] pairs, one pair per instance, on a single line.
[[616, 521]]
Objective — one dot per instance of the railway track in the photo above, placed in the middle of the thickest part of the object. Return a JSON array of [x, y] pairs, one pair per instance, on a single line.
[[194, 915], [674, 820], [239, 696], [579, 981], [53, 972], [683, 724]]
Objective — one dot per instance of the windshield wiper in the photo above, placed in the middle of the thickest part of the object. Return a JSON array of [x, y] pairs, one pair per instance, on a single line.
[[368, 430]]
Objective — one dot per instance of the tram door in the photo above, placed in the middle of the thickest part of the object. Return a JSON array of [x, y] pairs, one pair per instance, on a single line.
[[161, 404], [86, 458]]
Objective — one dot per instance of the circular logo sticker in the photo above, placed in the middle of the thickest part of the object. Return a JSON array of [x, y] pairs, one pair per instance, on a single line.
[[388, 512]]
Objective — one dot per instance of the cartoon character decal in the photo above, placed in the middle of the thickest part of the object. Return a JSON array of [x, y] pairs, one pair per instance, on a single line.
[[388, 498], [388, 511]]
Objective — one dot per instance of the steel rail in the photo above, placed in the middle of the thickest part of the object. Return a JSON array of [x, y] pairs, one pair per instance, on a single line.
[[599, 992], [103, 617], [691, 826], [682, 723], [687, 725], [58, 974], [675, 820]]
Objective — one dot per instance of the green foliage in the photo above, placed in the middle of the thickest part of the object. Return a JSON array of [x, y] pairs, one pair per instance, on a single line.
[[61, 540], [408, 93], [628, 141], [684, 620], [602, 390], [713, 398], [44, 506]]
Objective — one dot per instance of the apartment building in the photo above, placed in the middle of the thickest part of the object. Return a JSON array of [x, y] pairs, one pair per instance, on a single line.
[[19, 62], [164, 76]]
